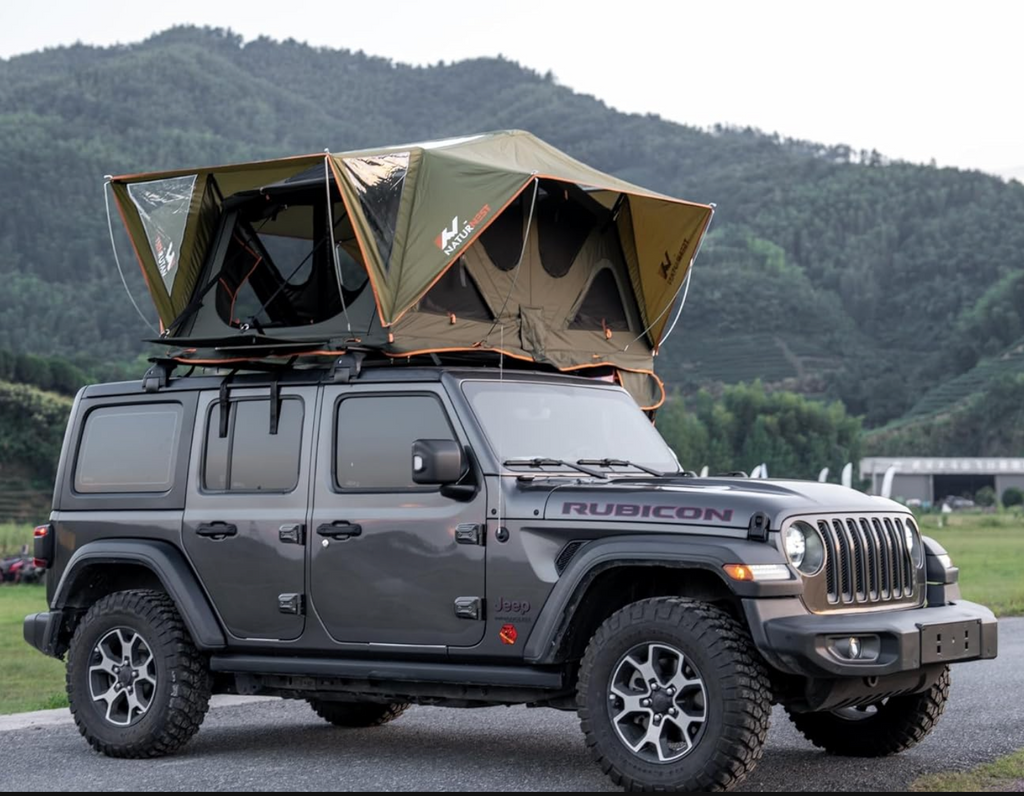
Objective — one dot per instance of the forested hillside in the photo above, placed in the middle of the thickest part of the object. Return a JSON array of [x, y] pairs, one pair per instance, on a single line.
[[829, 271]]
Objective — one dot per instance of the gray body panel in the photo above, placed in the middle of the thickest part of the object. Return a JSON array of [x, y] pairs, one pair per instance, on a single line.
[[397, 581], [245, 574]]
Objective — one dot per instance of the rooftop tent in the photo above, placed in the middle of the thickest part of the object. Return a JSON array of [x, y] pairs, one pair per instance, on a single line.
[[494, 241]]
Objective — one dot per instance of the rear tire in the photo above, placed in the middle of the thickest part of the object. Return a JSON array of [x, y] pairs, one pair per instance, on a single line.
[[357, 714], [672, 696], [137, 685], [889, 728]]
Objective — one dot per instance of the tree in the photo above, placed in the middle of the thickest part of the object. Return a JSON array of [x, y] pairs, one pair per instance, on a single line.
[[748, 425]]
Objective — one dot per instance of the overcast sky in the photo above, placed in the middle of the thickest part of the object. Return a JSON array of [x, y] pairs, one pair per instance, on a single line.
[[915, 80]]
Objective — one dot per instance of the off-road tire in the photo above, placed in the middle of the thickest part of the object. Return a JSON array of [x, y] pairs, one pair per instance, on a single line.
[[181, 696], [738, 696], [898, 725], [357, 714]]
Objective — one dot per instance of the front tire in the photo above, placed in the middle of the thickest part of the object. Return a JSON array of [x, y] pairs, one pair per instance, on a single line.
[[357, 714], [672, 696], [137, 685], [881, 730]]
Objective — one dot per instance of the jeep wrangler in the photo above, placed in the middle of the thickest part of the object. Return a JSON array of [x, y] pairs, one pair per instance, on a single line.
[[370, 537]]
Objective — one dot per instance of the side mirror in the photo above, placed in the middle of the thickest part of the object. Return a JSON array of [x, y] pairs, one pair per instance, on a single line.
[[437, 461]]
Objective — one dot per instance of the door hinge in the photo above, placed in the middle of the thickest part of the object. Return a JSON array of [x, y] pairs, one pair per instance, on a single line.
[[294, 533], [469, 533], [469, 608], [291, 604]]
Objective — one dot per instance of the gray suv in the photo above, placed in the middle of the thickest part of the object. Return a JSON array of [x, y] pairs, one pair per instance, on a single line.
[[369, 536]]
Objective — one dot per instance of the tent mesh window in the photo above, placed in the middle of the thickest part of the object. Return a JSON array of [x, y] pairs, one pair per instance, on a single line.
[[284, 276], [563, 225], [602, 306], [456, 294], [503, 239]]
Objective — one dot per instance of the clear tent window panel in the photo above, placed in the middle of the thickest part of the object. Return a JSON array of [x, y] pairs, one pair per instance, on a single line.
[[379, 181], [163, 207]]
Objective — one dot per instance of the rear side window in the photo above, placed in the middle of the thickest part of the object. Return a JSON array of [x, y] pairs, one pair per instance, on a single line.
[[250, 458], [129, 449], [374, 436]]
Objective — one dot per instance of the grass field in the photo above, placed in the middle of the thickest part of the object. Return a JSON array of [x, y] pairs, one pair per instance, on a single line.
[[13, 536], [28, 679], [988, 548], [1002, 776]]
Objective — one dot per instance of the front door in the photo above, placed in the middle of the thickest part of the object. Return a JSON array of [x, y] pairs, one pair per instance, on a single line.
[[246, 510], [387, 564]]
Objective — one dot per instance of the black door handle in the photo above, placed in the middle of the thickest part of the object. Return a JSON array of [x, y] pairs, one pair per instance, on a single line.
[[339, 530], [216, 530]]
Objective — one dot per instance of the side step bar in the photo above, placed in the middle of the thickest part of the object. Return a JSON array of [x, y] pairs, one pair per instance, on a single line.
[[385, 671]]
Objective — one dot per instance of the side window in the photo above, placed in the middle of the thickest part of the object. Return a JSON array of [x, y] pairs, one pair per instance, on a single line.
[[250, 458], [129, 449], [374, 436]]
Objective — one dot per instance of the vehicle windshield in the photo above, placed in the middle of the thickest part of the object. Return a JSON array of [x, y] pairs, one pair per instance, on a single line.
[[525, 421]]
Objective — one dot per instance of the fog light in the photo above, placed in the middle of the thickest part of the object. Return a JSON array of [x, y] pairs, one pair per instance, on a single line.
[[863, 649]]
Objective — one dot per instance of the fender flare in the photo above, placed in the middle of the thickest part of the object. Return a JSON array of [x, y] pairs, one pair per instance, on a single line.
[[707, 553], [168, 564]]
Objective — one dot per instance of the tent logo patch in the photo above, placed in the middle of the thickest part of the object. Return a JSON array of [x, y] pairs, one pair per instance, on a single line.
[[670, 266], [452, 237]]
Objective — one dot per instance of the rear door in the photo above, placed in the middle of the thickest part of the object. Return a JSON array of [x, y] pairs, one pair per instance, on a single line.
[[397, 577], [245, 515]]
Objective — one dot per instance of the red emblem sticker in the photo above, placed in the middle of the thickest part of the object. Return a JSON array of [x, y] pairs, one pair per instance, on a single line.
[[508, 634]]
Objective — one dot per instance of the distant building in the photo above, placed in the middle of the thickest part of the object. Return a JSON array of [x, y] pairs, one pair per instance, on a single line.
[[934, 479]]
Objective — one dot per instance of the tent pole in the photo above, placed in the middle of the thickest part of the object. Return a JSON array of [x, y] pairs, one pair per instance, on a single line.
[[117, 260], [686, 287], [334, 245]]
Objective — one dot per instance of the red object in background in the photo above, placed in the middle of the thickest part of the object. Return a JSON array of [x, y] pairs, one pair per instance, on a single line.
[[508, 634]]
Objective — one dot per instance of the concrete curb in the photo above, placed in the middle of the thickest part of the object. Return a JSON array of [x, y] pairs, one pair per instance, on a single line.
[[56, 718]]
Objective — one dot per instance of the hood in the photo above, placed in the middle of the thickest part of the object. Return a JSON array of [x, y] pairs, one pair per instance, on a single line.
[[726, 502]]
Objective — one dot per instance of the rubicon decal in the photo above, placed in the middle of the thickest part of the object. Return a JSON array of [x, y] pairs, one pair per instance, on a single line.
[[453, 236], [632, 510]]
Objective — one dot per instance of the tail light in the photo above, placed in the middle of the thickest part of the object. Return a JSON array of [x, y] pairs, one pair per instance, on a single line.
[[42, 544]]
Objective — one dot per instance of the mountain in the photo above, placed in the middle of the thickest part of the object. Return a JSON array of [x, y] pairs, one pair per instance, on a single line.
[[829, 271]]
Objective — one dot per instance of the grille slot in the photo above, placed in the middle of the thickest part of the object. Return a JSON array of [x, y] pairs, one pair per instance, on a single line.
[[867, 563], [566, 555]]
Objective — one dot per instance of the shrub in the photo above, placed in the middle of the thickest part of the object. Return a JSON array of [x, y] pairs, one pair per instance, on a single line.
[[985, 497], [1013, 496]]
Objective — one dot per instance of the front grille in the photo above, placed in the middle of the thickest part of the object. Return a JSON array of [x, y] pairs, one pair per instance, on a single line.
[[867, 564]]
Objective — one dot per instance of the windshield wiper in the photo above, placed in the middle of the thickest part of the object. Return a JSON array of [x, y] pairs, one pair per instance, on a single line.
[[624, 463], [541, 461]]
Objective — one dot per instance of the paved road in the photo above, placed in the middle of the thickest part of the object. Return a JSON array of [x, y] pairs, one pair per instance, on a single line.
[[282, 746]]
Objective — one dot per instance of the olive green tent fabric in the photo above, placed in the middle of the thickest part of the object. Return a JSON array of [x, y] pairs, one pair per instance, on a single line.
[[494, 242], [451, 191]]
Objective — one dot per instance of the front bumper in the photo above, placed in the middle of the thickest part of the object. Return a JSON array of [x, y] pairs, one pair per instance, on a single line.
[[42, 631], [797, 642]]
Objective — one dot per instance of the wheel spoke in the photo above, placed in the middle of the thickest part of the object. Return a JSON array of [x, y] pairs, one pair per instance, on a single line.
[[679, 680], [645, 670], [631, 706], [106, 664]]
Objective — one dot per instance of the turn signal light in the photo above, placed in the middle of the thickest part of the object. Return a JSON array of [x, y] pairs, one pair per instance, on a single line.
[[757, 572]]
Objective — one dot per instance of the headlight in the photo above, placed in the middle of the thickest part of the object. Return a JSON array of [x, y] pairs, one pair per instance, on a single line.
[[913, 542], [805, 548]]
